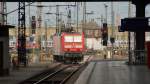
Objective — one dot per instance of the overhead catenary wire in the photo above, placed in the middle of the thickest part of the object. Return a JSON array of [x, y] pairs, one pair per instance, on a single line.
[[17, 9]]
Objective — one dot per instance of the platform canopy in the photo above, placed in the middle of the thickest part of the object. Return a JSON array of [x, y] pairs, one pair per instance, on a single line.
[[67, 0], [4, 30], [6, 26]]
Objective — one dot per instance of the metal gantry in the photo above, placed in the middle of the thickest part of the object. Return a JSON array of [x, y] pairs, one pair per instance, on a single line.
[[21, 34], [84, 17], [69, 19], [57, 13], [39, 14], [5, 15], [140, 12], [77, 3], [39, 17], [57, 19], [3, 12]]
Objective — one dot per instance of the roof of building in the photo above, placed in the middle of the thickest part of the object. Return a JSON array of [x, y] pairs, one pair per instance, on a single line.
[[6, 26]]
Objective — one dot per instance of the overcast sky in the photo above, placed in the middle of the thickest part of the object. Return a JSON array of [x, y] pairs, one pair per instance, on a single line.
[[120, 8]]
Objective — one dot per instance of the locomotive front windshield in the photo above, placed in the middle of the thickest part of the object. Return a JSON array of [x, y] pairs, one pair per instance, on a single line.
[[77, 38], [73, 38], [68, 38]]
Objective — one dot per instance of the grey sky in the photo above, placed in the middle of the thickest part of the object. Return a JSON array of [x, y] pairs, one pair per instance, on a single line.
[[120, 8]]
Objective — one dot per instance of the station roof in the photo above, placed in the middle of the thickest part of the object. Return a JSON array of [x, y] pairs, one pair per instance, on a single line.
[[6, 26], [68, 0]]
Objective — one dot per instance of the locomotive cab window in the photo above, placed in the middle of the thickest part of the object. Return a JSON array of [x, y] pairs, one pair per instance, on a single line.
[[68, 38], [77, 38]]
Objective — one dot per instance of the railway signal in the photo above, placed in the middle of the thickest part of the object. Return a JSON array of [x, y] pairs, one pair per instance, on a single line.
[[104, 34], [33, 25]]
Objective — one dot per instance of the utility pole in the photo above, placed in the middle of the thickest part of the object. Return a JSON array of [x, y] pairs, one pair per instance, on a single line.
[[105, 12], [3, 11], [57, 19], [21, 34], [102, 20], [39, 13], [112, 27], [129, 35], [77, 15], [5, 15], [84, 17], [29, 21], [39, 21], [46, 50], [85, 13], [69, 19]]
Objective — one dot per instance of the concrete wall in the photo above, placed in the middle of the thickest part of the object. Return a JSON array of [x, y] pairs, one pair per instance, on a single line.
[[6, 57]]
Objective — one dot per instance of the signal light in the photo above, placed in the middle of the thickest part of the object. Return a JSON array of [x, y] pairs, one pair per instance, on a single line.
[[112, 40], [104, 34], [33, 25], [33, 31], [104, 43]]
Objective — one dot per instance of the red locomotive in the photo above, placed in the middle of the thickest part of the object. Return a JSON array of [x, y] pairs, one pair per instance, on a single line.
[[68, 47]]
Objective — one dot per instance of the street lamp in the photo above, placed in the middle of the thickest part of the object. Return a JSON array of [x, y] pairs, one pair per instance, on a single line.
[[105, 5]]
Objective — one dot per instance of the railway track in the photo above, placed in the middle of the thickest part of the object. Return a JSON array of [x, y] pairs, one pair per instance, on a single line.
[[58, 75], [37, 77]]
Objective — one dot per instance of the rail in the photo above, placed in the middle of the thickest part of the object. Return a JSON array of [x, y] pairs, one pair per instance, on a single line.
[[71, 74], [45, 72], [51, 75], [57, 75]]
